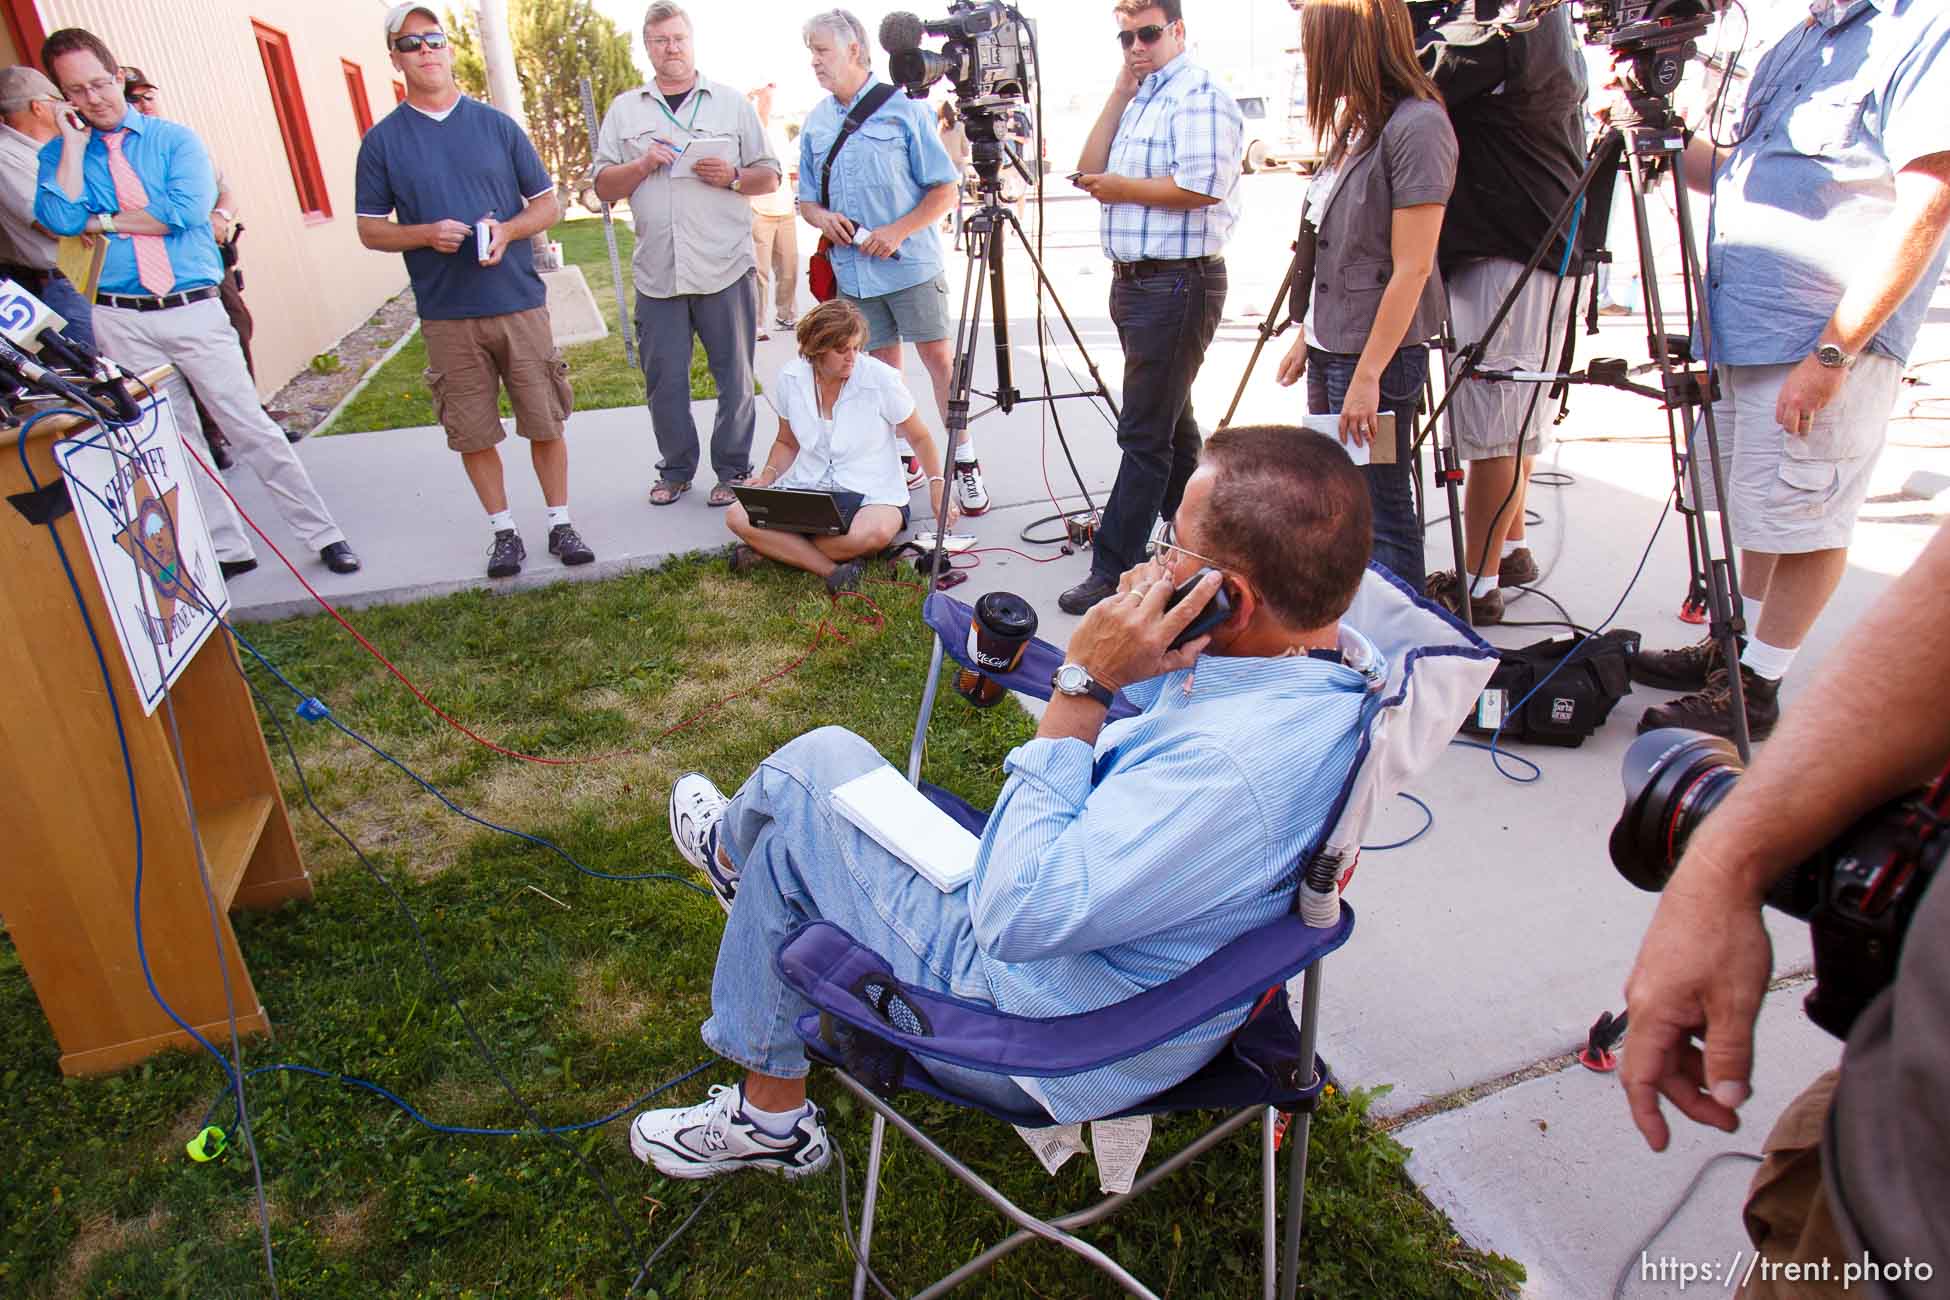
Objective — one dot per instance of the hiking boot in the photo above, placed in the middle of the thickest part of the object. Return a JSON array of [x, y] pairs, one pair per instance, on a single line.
[[717, 1137], [1444, 590], [506, 555], [696, 808], [971, 493], [1079, 599], [1685, 669], [1518, 569], [1711, 709], [566, 545], [846, 577]]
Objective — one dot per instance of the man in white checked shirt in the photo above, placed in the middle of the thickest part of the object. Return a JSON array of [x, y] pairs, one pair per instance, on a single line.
[[1163, 159]]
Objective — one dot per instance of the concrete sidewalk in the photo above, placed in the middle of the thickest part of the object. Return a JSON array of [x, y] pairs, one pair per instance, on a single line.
[[1487, 946]]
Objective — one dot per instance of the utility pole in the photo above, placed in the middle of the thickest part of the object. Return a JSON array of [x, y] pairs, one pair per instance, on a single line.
[[504, 88]]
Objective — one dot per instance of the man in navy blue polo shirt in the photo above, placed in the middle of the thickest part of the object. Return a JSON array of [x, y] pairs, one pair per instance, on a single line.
[[148, 186], [442, 162]]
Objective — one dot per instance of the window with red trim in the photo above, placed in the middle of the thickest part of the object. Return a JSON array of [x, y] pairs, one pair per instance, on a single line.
[[288, 102], [355, 86]]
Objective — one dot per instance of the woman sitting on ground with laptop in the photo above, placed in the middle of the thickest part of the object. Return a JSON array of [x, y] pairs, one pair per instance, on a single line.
[[839, 412]]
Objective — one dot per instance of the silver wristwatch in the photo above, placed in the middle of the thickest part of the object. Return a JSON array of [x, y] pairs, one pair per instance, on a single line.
[[1075, 679], [1833, 357]]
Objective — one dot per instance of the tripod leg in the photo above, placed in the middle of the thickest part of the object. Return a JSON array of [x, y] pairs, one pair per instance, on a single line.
[[1042, 278], [1448, 466]]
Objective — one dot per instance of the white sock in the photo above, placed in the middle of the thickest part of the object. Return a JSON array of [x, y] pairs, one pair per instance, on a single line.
[[1511, 545], [1483, 586], [1769, 661], [965, 448], [778, 1123], [557, 515], [1750, 611], [503, 520]]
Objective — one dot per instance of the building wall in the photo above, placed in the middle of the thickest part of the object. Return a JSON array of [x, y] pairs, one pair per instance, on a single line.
[[308, 281]]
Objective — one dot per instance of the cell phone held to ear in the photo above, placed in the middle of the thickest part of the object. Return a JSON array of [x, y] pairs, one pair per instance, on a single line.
[[1217, 610]]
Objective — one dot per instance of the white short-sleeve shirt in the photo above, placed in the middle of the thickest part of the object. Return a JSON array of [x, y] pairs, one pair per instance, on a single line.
[[854, 450]]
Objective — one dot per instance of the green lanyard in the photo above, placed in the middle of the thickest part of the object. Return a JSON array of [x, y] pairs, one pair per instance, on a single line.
[[697, 102]]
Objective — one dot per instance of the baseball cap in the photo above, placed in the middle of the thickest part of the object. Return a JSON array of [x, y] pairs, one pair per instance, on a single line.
[[397, 15], [22, 85], [133, 78]]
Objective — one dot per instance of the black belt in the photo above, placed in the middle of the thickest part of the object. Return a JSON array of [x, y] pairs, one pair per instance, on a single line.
[[1162, 265], [130, 303], [30, 278]]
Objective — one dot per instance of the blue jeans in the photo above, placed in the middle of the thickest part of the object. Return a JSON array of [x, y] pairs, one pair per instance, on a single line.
[[1391, 488], [1165, 320], [66, 299], [799, 860]]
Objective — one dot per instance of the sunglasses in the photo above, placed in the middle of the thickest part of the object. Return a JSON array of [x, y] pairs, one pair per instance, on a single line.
[[412, 44], [1150, 34]]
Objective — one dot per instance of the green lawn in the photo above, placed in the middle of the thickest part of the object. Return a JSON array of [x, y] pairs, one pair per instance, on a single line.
[[397, 396], [588, 992]]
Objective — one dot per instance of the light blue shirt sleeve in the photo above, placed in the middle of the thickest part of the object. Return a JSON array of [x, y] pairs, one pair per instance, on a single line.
[[1205, 136], [1065, 869], [189, 189], [53, 208], [808, 168], [927, 157], [1916, 111]]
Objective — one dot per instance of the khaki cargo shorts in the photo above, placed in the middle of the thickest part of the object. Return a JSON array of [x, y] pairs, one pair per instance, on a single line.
[[468, 361]]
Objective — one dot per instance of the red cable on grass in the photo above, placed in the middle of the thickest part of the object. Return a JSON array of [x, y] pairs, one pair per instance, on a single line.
[[876, 619]]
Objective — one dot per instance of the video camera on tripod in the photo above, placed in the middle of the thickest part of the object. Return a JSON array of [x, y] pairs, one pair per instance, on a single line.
[[1655, 38], [985, 57]]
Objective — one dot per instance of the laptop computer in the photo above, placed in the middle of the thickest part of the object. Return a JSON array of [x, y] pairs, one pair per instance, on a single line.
[[796, 510]]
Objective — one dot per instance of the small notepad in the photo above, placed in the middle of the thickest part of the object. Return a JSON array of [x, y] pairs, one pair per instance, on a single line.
[[902, 820], [1380, 452]]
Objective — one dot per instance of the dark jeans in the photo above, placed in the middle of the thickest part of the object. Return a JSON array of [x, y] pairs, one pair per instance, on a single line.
[[66, 299], [1391, 488], [1164, 321]]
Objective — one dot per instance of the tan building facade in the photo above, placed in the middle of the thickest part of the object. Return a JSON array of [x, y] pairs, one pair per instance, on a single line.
[[280, 92]]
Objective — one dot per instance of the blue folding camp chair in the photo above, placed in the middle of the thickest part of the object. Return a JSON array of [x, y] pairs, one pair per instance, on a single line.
[[879, 1034]]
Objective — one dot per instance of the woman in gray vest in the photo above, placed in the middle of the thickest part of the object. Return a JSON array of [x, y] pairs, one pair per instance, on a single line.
[[1367, 282]]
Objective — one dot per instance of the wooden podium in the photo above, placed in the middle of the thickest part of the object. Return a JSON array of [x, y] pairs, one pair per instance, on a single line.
[[67, 870]]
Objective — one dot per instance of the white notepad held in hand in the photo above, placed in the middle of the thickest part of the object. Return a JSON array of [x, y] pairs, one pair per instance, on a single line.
[[905, 822]]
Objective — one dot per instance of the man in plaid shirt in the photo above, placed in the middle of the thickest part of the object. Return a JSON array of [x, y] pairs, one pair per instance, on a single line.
[[1163, 159]]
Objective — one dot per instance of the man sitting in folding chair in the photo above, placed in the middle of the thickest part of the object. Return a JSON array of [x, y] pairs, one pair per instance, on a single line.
[[1118, 857]]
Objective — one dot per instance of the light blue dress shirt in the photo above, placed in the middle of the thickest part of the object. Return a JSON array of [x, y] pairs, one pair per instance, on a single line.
[[880, 175], [1836, 108], [182, 186], [1183, 125], [1106, 871]]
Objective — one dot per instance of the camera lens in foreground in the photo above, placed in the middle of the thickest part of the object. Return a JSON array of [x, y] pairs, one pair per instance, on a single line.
[[1673, 778]]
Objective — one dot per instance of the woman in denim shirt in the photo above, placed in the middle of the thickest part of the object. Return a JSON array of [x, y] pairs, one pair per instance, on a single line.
[[1367, 280]]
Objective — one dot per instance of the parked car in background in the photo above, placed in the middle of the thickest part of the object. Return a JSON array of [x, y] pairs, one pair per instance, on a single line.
[[1276, 133]]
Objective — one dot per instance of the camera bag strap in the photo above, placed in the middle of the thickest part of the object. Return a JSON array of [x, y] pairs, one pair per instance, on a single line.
[[869, 105]]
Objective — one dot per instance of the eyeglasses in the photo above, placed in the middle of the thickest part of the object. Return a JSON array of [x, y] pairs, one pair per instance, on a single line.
[[99, 87], [1163, 542], [1150, 34], [666, 42], [143, 97], [412, 44]]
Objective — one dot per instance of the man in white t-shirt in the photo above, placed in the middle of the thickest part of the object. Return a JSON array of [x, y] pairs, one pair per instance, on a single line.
[[775, 235]]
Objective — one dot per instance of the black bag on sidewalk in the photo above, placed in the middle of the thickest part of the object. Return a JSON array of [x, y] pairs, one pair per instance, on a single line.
[[1573, 703]]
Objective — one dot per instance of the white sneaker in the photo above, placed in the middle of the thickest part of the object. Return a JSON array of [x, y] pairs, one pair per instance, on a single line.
[[696, 807], [970, 491], [917, 478], [715, 1137]]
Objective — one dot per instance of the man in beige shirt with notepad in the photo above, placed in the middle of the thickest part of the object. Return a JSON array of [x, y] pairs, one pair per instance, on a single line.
[[689, 154]]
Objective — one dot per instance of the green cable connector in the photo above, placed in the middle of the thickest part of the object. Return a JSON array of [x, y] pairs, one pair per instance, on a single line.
[[207, 1145]]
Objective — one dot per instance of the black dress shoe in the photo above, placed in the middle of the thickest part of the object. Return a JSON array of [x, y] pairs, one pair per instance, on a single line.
[[1079, 599], [233, 568], [339, 558]]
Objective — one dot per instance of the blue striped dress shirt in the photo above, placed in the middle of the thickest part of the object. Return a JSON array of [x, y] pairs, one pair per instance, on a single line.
[[1181, 124], [1106, 871]]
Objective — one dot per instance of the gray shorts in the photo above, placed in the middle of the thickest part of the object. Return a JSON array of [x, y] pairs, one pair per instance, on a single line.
[[916, 314], [1791, 495], [1490, 417]]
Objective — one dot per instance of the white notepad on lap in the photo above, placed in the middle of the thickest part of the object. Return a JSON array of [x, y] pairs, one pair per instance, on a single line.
[[905, 822]]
